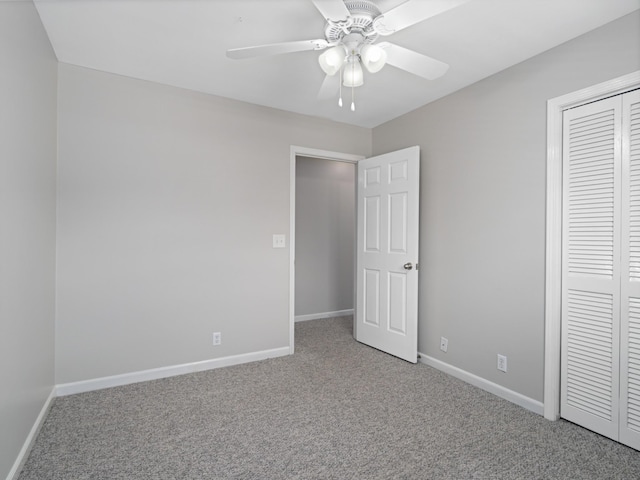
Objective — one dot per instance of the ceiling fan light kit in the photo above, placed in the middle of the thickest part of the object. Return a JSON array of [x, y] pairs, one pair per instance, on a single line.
[[353, 76], [353, 26], [373, 58], [332, 60]]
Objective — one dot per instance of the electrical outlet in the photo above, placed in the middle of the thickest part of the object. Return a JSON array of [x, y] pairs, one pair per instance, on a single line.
[[502, 363], [279, 241], [444, 344], [217, 338]]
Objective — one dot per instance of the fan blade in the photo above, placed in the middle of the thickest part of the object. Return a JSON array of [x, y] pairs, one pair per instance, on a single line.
[[329, 87], [410, 13], [334, 10], [413, 62], [276, 49]]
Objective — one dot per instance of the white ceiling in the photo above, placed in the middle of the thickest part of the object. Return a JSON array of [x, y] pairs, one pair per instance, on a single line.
[[183, 43]]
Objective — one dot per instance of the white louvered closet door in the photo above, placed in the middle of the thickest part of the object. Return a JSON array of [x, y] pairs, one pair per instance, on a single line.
[[601, 268], [590, 266], [630, 282]]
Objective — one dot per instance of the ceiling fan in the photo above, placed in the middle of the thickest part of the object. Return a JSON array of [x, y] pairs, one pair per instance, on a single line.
[[350, 36]]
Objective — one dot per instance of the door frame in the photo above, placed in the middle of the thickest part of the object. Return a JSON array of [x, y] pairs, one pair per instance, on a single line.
[[553, 253], [296, 151]]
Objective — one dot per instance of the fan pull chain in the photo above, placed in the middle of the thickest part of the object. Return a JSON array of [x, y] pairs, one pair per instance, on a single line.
[[353, 94], [340, 99]]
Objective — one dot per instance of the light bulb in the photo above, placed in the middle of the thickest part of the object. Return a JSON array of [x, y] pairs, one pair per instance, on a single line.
[[353, 106], [340, 102]]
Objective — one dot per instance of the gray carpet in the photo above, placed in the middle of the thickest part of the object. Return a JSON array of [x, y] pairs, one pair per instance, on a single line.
[[334, 410]]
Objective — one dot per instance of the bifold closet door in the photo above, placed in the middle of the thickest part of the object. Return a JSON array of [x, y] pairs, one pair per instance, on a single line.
[[590, 369], [600, 372], [630, 271]]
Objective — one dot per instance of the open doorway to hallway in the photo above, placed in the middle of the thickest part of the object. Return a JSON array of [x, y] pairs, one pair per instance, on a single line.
[[323, 235]]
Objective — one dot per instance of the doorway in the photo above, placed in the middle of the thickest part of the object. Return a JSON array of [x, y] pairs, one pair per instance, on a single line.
[[325, 238], [329, 295]]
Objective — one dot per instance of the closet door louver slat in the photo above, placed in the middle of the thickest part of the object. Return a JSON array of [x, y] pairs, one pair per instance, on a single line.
[[591, 252]]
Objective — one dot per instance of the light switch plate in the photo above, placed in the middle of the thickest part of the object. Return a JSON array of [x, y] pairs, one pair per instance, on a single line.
[[279, 241]]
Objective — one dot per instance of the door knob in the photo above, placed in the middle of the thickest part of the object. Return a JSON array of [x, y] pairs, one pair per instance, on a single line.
[[408, 266]]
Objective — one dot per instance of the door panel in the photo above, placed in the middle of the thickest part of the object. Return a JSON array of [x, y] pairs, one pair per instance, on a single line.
[[630, 282], [590, 278], [387, 295], [397, 303], [372, 224], [371, 306], [398, 223]]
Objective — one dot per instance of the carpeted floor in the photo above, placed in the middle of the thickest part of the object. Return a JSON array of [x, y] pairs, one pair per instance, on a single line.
[[334, 410]]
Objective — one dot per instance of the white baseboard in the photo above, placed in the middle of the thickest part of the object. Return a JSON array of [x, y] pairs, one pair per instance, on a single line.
[[28, 443], [316, 316], [165, 372], [525, 402]]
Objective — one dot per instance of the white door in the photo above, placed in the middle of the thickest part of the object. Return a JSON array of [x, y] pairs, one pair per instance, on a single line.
[[387, 253], [601, 268], [630, 281], [590, 367]]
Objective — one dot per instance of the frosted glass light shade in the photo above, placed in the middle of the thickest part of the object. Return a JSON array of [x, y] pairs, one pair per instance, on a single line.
[[353, 76], [373, 57], [331, 61]]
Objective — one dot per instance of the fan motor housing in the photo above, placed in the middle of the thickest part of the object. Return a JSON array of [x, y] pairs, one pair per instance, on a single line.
[[363, 13]]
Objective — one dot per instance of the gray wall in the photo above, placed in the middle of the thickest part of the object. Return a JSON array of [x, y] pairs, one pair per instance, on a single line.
[[27, 224], [482, 235], [168, 200], [325, 235]]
